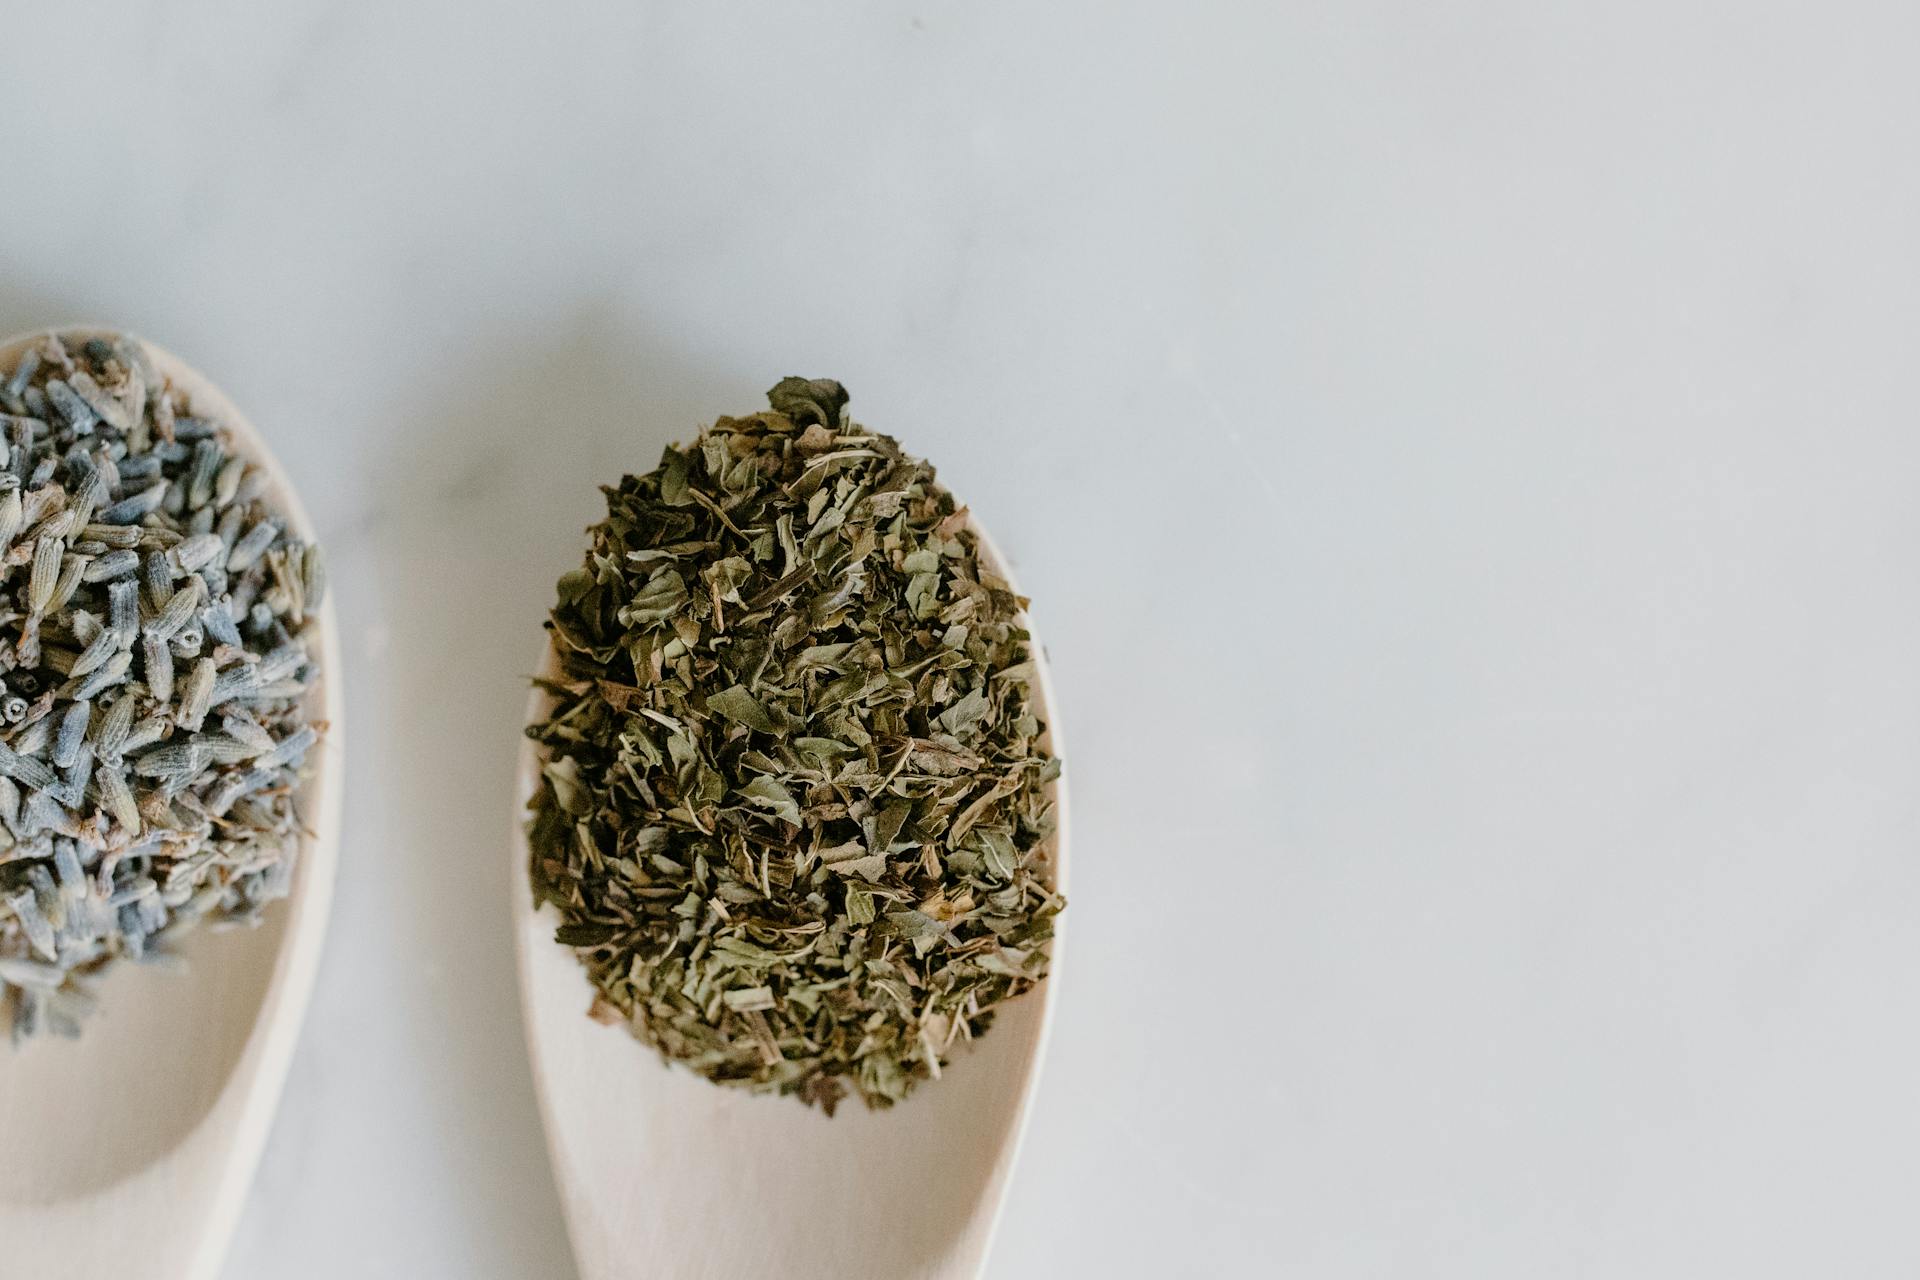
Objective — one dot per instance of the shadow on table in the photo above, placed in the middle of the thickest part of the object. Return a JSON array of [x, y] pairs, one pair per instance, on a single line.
[[486, 496]]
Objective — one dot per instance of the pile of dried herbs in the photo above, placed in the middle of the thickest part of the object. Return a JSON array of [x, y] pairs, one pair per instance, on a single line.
[[153, 674], [795, 807]]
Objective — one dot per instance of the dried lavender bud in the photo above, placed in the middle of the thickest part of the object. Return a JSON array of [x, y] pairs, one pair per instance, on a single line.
[[148, 730], [72, 408], [73, 732], [123, 607], [103, 646], [130, 509], [9, 517], [157, 577], [228, 529], [252, 543], [198, 697], [313, 570], [178, 610], [200, 476], [227, 484], [158, 666], [111, 672], [92, 491], [104, 406], [111, 739], [117, 798], [101, 555], [197, 552], [114, 564], [117, 536], [45, 574], [72, 570]]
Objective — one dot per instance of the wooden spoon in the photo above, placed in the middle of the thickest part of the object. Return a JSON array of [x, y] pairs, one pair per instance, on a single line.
[[663, 1174], [128, 1152]]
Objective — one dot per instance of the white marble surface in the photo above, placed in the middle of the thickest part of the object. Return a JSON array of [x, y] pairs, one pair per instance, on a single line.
[[1464, 456]]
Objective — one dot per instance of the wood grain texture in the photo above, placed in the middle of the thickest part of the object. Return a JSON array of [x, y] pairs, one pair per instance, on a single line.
[[128, 1152], [664, 1174]]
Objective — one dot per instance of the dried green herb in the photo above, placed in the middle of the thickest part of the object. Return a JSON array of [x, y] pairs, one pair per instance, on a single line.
[[796, 806]]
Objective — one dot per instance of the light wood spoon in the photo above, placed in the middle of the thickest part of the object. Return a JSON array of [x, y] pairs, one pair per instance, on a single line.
[[127, 1152], [663, 1174]]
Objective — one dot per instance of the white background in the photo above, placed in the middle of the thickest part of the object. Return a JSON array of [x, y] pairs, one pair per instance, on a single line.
[[1464, 458]]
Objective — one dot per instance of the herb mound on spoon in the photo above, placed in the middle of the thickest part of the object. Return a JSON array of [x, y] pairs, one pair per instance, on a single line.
[[796, 801], [155, 678]]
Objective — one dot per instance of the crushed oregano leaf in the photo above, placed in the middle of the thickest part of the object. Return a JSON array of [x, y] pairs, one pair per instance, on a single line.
[[796, 803]]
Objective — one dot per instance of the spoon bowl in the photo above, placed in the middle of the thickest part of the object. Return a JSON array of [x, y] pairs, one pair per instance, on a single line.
[[664, 1174], [128, 1151]]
